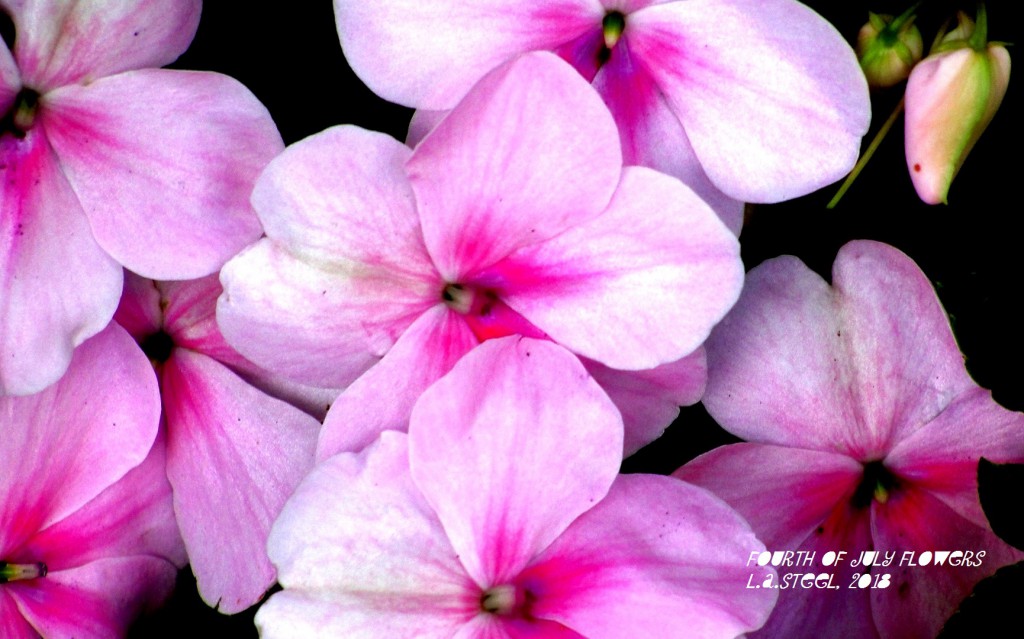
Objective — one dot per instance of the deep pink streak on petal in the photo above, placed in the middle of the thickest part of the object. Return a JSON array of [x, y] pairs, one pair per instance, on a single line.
[[12, 624], [165, 177], [57, 286], [139, 310], [98, 600], [382, 398], [544, 155], [649, 400], [484, 441], [429, 54], [921, 598], [657, 557], [62, 43], [234, 457]]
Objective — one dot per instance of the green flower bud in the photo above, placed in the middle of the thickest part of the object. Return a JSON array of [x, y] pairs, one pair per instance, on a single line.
[[888, 48]]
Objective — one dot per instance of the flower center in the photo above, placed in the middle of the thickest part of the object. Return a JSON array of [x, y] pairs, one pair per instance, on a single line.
[[612, 25], [875, 485], [507, 600], [21, 572], [22, 115], [157, 347]]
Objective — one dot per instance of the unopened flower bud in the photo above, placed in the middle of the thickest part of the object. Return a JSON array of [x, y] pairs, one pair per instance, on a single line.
[[888, 48], [951, 97]]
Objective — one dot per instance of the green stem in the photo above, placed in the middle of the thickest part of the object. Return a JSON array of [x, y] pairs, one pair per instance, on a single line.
[[870, 151], [979, 39]]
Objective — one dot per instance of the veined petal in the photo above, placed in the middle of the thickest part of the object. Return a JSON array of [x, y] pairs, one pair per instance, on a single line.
[[651, 133], [649, 400], [164, 163], [61, 42], [770, 94], [12, 624], [57, 286], [487, 449], [382, 398], [381, 566], [429, 54], [139, 310], [921, 598], [98, 600], [66, 444], [234, 456], [655, 558], [543, 154], [593, 288]]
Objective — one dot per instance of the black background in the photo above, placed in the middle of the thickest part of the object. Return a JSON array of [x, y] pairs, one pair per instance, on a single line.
[[290, 58]]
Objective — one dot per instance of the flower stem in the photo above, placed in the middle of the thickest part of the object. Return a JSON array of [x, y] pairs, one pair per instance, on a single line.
[[868, 153]]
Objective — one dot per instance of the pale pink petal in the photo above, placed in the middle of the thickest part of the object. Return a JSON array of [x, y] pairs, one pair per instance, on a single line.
[[429, 54], [98, 600], [942, 457], [234, 456], [785, 493], [165, 176], [68, 443], [770, 94], [488, 626], [57, 286], [341, 197], [10, 79], [132, 517], [62, 42], [423, 122], [382, 398], [649, 400], [488, 450], [652, 135], [921, 598], [543, 154], [360, 553], [907, 364], [313, 323], [638, 286], [778, 368], [655, 558]]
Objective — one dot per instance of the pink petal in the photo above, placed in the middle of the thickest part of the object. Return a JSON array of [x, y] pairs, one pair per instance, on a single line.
[[485, 441], [96, 601], [652, 135], [313, 323], [656, 558], [429, 54], [770, 94], [68, 443], [649, 400], [383, 397], [234, 457], [593, 288], [57, 286], [10, 80], [530, 182], [942, 456], [12, 624], [165, 177], [63, 43], [785, 493], [489, 626], [361, 554], [139, 310], [921, 598]]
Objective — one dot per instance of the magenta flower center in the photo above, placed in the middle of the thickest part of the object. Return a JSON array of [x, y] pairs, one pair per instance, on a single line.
[[21, 572], [875, 485], [157, 347], [486, 314], [611, 28], [22, 115]]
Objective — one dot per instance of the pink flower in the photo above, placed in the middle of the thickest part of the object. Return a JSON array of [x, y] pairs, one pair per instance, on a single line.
[[753, 100], [107, 162], [87, 534], [515, 216], [867, 433], [234, 453], [483, 522]]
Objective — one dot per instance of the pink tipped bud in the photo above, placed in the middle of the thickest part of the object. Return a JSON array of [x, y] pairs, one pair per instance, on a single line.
[[888, 48], [951, 97]]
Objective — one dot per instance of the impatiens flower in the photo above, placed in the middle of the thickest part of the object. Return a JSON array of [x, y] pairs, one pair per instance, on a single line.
[[752, 100], [501, 515], [866, 433], [952, 95], [515, 216], [234, 453], [105, 162], [87, 534]]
